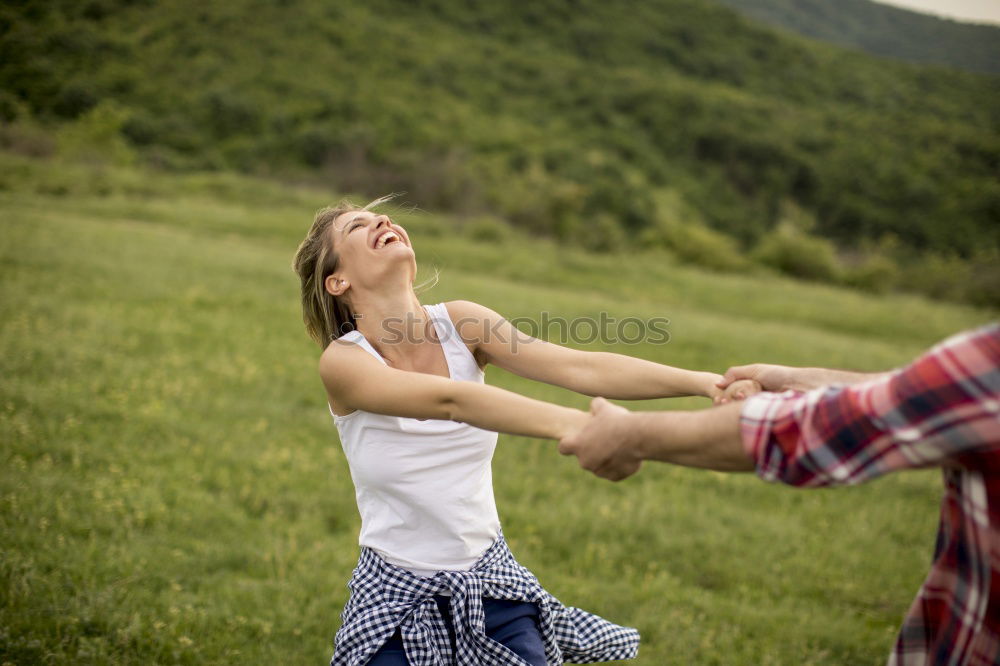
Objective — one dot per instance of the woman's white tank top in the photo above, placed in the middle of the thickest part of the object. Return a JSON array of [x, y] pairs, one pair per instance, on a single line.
[[424, 487]]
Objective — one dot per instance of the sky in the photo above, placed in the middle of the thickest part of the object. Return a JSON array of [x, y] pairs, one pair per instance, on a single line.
[[976, 11]]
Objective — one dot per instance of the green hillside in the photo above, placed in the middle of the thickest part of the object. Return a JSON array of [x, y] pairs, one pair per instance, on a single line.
[[172, 490], [884, 30], [662, 123]]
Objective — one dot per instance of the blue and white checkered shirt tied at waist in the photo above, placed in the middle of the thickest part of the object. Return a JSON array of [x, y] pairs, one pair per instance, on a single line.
[[385, 598]]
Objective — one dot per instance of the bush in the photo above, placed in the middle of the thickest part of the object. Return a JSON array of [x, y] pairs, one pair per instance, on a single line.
[[487, 230], [12, 108], [601, 233], [695, 243], [984, 286], [26, 138], [876, 273], [96, 136], [429, 226], [538, 202], [796, 253], [75, 99], [950, 277], [938, 275], [227, 112]]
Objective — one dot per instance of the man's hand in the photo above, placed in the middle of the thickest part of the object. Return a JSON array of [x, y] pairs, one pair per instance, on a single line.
[[769, 377], [606, 445]]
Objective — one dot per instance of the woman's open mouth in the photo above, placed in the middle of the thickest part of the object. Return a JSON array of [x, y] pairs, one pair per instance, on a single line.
[[385, 238]]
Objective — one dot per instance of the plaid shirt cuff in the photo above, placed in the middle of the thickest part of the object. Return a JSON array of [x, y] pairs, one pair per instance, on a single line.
[[757, 417]]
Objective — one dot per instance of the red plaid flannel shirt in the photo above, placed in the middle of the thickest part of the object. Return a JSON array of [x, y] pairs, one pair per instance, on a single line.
[[943, 410]]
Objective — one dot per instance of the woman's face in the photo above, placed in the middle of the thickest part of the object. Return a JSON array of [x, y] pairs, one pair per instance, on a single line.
[[373, 249]]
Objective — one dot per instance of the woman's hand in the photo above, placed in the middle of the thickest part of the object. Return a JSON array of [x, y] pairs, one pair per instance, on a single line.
[[572, 424], [741, 389]]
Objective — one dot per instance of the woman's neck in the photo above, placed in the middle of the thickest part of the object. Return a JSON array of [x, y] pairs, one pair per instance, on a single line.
[[395, 321]]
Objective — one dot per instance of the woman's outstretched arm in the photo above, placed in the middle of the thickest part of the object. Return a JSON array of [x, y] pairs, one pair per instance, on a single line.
[[355, 380], [495, 340]]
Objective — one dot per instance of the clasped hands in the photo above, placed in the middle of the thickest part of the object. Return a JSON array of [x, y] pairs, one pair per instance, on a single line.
[[612, 442]]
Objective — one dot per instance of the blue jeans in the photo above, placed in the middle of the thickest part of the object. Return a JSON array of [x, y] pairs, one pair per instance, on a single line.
[[510, 623]]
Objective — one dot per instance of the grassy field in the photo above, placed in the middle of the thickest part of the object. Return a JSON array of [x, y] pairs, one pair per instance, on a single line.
[[172, 489]]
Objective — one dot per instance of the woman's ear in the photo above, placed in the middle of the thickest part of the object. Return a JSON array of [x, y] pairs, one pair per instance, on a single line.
[[336, 285]]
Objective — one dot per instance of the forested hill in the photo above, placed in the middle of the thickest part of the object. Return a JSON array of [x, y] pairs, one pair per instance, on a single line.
[[601, 123], [884, 30]]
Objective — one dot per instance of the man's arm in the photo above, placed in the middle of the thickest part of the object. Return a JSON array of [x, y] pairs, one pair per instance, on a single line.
[[942, 407], [785, 378], [615, 441]]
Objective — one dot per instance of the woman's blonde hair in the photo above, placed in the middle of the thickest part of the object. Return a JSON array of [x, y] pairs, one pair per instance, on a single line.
[[326, 317]]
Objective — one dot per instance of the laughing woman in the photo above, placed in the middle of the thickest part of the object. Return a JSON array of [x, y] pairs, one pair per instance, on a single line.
[[436, 582]]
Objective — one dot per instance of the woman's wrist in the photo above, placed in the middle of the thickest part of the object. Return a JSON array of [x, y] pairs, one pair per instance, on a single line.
[[570, 421], [678, 383], [706, 385]]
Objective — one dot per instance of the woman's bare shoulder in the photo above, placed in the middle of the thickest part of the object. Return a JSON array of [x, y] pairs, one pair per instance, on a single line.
[[459, 310], [339, 355]]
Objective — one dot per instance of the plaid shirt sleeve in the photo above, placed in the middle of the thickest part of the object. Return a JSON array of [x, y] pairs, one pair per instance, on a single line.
[[942, 409]]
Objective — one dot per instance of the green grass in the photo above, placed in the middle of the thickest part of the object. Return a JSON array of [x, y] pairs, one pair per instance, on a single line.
[[172, 490]]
